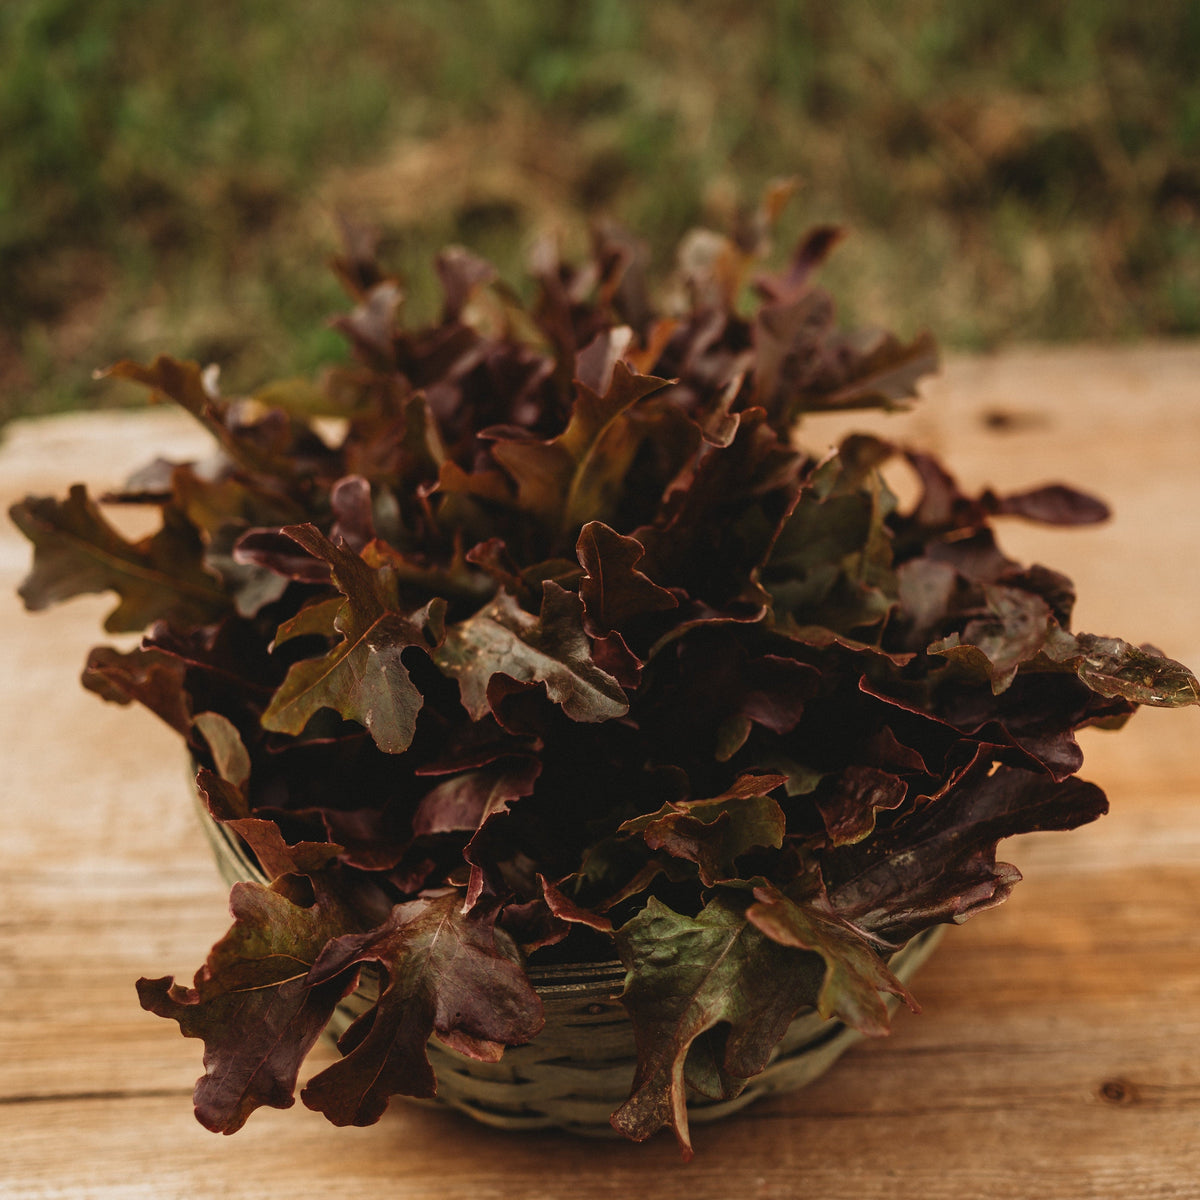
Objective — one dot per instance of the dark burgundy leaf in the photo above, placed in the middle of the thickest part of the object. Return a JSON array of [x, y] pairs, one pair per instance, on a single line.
[[226, 802], [462, 274], [371, 326], [939, 864], [149, 676], [1012, 632], [812, 250], [251, 1002], [1054, 504], [261, 438], [614, 591], [275, 550], [447, 974], [567, 910], [464, 802], [77, 552], [570, 479], [713, 833], [848, 806], [354, 517]]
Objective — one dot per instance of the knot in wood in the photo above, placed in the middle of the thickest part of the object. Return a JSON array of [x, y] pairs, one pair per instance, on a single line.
[[1119, 1091]]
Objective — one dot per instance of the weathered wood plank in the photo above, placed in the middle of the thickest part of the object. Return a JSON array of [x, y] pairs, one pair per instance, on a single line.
[[937, 1151]]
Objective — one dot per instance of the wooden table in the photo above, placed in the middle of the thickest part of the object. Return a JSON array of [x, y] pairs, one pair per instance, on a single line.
[[1058, 1054]]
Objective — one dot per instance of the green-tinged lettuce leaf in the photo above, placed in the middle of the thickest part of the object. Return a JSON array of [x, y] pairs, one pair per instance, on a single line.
[[251, 1002], [1019, 630], [578, 476], [855, 974], [449, 974], [687, 975], [830, 563], [1112, 667], [363, 678], [77, 552], [318, 619], [551, 649], [714, 832]]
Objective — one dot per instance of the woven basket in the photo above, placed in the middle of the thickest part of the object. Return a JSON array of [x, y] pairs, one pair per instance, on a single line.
[[580, 1067]]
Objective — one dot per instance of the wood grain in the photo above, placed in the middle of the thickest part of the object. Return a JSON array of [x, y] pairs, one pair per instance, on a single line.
[[1058, 1053]]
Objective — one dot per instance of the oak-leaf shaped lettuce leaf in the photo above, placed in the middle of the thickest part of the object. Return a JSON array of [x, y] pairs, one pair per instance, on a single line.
[[449, 973], [363, 677], [468, 802], [715, 831], [1019, 630], [263, 438], [830, 563], [146, 675], [274, 855], [854, 796], [251, 1002], [552, 649], [578, 475], [77, 552], [855, 973], [685, 976], [805, 363], [613, 590]]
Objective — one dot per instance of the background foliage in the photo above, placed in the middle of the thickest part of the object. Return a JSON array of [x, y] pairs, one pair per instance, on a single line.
[[1009, 170]]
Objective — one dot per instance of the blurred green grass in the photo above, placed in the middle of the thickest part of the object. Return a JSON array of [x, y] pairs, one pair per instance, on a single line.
[[169, 176]]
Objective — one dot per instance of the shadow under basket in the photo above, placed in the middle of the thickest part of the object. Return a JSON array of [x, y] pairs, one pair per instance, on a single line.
[[579, 1068]]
